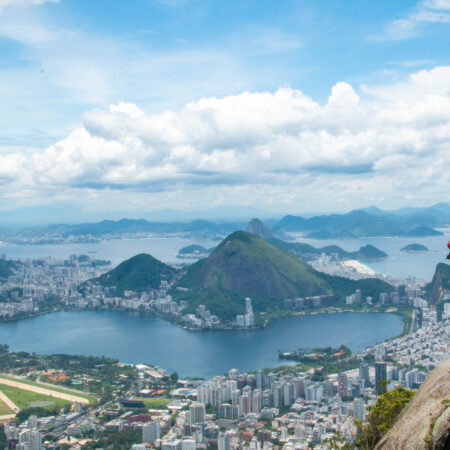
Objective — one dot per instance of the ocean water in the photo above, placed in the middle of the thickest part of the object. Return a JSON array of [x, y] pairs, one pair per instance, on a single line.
[[134, 338], [400, 264], [115, 250]]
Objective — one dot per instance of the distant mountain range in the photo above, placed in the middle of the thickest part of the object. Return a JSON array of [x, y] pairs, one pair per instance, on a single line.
[[242, 265], [356, 224], [367, 222]]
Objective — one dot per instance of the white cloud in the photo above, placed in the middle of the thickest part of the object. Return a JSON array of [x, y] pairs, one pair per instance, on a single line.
[[406, 27], [280, 147]]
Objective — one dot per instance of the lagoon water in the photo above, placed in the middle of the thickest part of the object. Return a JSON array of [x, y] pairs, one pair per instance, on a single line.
[[139, 339], [134, 338]]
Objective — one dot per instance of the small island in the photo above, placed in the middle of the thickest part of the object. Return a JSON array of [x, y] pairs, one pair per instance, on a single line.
[[413, 248], [194, 251]]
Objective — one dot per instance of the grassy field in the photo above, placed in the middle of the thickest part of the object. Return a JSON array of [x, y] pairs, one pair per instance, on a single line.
[[156, 403], [4, 409], [92, 399], [25, 399]]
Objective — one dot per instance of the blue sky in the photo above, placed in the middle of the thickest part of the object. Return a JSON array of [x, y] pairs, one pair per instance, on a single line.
[[139, 105]]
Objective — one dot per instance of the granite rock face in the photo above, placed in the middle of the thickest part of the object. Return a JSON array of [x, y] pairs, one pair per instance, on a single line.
[[425, 423], [258, 228]]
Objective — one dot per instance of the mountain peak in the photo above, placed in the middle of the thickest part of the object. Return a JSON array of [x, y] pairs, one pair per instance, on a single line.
[[245, 265], [257, 227], [139, 273]]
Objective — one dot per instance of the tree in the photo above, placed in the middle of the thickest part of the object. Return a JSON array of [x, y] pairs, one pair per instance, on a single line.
[[382, 416], [174, 377], [337, 442]]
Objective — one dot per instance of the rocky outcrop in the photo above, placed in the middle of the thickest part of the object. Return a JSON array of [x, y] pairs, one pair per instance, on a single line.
[[257, 227], [425, 423], [439, 284]]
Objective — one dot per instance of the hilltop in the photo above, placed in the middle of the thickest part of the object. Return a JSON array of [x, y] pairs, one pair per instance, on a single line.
[[246, 265], [257, 227], [139, 273]]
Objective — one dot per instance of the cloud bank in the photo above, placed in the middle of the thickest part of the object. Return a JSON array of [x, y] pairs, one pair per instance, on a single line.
[[385, 144]]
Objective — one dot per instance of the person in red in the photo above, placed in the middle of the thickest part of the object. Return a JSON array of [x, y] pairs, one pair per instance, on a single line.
[[448, 245]]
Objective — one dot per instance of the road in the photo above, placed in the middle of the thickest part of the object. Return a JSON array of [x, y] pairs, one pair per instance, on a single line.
[[11, 405]]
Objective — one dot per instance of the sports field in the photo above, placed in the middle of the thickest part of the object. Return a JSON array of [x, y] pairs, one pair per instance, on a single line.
[[48, 389], [156, 403], [27, 399]]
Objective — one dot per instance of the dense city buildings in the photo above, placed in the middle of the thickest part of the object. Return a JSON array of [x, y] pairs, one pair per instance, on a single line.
[[292, 406]]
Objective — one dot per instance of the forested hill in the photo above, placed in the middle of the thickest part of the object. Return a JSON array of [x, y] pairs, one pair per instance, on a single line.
[[139, 273], [306, 251], [247, 265]]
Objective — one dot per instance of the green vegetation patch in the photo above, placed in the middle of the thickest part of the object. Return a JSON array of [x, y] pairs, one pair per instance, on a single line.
[[246, 265], [90, 398], [156, 403], [139, 273], [5, 409], [382, 416]]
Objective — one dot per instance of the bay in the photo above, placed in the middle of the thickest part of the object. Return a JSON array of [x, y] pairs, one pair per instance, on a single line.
[[419, 265], [399, 264], [115, 250], [133, 338]]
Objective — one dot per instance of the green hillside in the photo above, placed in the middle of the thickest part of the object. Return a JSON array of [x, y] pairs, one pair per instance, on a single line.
[[139, 273], [306, 251], [369, 252], [246, 265]]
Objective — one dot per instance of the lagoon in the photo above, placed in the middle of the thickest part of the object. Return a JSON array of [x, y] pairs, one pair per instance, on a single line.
[[134, 338]]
